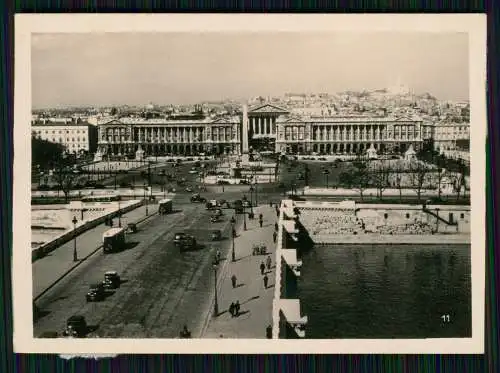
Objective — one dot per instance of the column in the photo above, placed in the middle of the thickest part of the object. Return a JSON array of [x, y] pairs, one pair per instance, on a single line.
[[260, 126]]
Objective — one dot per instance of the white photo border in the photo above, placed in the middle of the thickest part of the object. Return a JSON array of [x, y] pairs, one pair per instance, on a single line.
[[26, 24]]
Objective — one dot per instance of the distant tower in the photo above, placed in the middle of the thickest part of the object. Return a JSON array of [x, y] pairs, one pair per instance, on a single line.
[[244, 131]]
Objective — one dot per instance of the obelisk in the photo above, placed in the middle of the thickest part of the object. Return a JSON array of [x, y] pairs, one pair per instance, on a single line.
[[244, 130]]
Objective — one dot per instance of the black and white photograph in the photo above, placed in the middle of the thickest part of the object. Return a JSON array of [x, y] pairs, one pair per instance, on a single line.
[[244, 181]]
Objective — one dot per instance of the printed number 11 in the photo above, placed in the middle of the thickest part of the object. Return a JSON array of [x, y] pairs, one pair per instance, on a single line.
[[445, 318]]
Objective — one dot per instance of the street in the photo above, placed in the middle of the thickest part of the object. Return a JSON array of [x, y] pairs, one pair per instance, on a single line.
[[162, 288]]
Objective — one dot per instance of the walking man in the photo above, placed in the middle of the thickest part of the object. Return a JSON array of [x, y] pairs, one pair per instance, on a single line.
[[266, 280], [275, 235], [231, 309], [268, 262], [233, 280], [276, 227], [261, 220], [262, 268], [269, 332]]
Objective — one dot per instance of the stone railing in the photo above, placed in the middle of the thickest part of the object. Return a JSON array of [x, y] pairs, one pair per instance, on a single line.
[[286, 312], [47, 247]]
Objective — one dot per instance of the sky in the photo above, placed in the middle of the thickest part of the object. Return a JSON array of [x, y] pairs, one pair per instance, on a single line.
[[184, 68]]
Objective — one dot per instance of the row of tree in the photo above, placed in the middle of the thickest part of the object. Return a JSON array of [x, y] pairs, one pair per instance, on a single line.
[[361, 175]]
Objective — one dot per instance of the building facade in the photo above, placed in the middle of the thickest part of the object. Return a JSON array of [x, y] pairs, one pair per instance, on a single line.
[[76, 136], [334, 134], [452, 139], [265, 127], [187, 136]]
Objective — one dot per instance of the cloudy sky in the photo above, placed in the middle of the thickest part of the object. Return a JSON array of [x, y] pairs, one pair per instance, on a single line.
[[113, 69]]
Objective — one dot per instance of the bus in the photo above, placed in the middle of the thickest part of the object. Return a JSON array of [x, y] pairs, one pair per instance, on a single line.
[[113, 240], [165, 206]]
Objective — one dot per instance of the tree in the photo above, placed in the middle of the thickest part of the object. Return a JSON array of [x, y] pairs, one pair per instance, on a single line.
[[440, 174], [419, 176], [114, 111], [398, 181], [65, 177], [361, 176], [380, 177], [45, 153]]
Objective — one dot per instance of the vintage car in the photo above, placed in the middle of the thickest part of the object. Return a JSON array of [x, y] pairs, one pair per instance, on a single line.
[[216, 235], [215, 219], [197, 198], [96, 292], [76, 326], [111, 280]]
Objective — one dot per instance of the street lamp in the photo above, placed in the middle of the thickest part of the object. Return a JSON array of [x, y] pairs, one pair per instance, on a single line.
[[146, 188], [244, 213], [75, 256], [251, 199], [119, 215], [216, 304], [233, 221]]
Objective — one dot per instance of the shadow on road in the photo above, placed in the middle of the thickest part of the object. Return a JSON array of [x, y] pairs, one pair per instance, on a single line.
[[130, 245], [251, 299]]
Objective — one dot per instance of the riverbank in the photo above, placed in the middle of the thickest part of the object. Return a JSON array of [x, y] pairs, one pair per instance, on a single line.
[[403, 239]]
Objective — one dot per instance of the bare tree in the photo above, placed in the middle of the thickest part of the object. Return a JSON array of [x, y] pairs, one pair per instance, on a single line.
[[65, 178], [419, 177], [440, 175], [380, 177], [361, 176], [398, 180], [458, 183]]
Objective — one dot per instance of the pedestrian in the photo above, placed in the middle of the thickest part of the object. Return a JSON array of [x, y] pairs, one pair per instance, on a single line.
[[262, 268], [217, 256], [233, 280], [260, 220], [269, 332], [237, 308], [268, 262], [276, 226], [231, 309], [266, 280], [275, 235]]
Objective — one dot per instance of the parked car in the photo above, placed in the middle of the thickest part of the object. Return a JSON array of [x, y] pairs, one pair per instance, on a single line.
[[96, 292], [112, 280], [216, 235], [76, 326]]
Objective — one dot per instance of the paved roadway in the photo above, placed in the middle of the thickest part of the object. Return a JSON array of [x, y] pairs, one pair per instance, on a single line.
[[163, 289]]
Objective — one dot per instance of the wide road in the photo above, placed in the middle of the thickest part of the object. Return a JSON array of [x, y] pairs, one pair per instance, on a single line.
[[163, 289]]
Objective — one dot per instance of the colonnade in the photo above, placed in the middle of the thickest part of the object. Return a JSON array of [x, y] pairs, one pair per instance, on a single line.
[[263, 125]]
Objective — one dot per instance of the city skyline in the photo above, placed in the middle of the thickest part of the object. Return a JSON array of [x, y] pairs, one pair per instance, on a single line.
[[175, 68]]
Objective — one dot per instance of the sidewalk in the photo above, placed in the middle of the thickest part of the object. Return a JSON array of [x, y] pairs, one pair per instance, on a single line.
[[256, 301], [49, 268]]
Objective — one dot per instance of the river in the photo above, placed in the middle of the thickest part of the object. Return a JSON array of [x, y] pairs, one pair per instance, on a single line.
[[397, 291]]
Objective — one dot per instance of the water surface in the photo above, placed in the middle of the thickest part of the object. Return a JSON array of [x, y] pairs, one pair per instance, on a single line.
[[375, 291]]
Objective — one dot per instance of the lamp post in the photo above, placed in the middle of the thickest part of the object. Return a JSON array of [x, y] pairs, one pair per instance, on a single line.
[[75, 256], [244, 213], [251, 199], [145, 189], [233, 255], [216, 303], [119, 215]]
